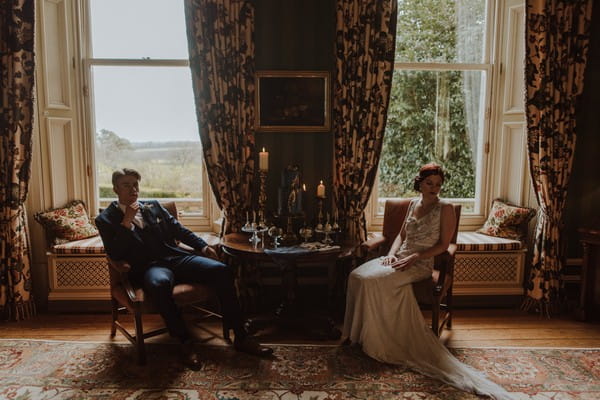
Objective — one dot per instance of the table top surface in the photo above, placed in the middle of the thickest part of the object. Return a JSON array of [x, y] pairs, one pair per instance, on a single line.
[[240, 243]]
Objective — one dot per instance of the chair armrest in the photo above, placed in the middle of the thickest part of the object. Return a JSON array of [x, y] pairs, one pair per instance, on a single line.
[[444, 263], [122, 268], [373, 244]]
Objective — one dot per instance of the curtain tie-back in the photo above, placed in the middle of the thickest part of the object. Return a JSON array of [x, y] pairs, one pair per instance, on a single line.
[[542, 213]]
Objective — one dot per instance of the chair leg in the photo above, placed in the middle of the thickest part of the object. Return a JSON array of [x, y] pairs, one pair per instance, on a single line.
[[435, 317], [139, 339], [226, 334], [115, 317], [449, 306]]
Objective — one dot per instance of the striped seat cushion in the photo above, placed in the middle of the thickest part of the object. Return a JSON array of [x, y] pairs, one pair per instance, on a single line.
[[92, 245], [473, 241]]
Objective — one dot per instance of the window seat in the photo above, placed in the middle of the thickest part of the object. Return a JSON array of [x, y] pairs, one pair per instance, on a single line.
[[487, 265], [77, 270]]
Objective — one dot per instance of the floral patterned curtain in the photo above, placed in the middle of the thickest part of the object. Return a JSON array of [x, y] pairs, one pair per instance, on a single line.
[[16, 127], [221, 46], [364, 51], [557, 39]]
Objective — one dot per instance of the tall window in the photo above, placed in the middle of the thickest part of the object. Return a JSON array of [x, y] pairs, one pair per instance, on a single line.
[[438, 99], [142, 101]]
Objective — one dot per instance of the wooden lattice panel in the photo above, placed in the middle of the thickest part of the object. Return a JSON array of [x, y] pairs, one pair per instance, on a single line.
[[82, 273], [494, 272], [78, 278]]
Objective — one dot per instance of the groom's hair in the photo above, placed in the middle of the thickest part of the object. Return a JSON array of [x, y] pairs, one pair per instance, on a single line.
[[118, 174]]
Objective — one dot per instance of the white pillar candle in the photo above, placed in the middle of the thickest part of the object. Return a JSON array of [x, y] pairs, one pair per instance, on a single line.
[[263, 160], [321, 190]]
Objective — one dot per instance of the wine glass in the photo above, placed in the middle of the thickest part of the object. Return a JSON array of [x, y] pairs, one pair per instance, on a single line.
[[306, 233], [275, 233]]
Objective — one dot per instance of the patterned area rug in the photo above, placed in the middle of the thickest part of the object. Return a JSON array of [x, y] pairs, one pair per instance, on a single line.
[[73, 370]]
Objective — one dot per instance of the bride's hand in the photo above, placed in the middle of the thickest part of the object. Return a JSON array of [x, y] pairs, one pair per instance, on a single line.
[[405, 263], [389, 260]]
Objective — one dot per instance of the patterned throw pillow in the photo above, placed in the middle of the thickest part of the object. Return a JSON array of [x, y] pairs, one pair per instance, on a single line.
[[507, 221], [68, 223]]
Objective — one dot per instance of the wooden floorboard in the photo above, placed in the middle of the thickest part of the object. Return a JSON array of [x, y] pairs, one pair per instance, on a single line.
[[471, 328]]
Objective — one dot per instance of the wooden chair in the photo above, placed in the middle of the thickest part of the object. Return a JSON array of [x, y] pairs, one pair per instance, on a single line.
[[430, 291], [126, 297]]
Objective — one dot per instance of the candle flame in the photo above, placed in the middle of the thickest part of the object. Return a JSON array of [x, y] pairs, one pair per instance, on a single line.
[[304, 187], [321, 183], [263, 149]]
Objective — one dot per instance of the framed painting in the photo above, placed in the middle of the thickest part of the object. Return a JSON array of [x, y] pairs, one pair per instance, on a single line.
[[292, 101]]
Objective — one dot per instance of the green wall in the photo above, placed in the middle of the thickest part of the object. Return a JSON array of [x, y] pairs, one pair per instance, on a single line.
[[583, 199], [296, 35]]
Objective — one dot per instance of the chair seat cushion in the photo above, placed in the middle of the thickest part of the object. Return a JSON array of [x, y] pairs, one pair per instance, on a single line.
[[183, 293], [92, 245], [190, 293], [473, 241]]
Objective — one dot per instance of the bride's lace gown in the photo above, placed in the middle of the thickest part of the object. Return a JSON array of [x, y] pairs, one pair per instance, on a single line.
[[382, 314]]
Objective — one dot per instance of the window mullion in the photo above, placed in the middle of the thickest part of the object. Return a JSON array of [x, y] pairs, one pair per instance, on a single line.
[[145, 62], [441, 66]]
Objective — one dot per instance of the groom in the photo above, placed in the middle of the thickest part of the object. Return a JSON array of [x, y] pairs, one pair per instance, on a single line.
[[144, 234]]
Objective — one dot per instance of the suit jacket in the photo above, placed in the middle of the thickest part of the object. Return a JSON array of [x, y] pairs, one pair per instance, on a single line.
[[141, 247]]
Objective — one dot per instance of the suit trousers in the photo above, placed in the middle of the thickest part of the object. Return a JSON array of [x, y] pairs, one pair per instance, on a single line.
[[162, 275]]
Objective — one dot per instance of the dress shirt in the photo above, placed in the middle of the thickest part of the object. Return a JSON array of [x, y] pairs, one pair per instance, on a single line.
[[138, 219]]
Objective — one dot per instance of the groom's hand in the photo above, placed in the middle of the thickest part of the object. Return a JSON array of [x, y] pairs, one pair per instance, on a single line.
[[209, 252], [130, 212]]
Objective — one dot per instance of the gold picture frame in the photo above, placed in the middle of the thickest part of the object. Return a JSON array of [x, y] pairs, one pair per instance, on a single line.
[[292, 101]]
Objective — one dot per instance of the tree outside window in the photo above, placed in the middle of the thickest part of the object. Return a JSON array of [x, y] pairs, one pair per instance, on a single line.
[[437, 98]]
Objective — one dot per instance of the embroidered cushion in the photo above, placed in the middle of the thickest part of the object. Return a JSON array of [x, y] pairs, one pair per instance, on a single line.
[[507, 221], [68, 223]]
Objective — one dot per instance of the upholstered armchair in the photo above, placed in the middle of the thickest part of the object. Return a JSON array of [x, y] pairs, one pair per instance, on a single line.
[[434, 290]]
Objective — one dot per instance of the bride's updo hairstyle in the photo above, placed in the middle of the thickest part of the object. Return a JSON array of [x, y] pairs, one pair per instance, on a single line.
[[425, 171]]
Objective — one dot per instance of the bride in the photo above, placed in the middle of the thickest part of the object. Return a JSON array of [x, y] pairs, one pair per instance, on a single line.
[[382, 314]]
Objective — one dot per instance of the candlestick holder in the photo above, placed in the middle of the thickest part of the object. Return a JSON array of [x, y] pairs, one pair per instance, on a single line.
[[319, 224], [254, 239], [289, 237], [262, 194]]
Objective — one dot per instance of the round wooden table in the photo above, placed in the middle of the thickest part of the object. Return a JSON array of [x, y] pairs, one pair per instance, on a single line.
[[291, 313]]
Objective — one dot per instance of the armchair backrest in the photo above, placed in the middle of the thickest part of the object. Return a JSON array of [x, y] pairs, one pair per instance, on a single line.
[[394, 215], [171, 207]]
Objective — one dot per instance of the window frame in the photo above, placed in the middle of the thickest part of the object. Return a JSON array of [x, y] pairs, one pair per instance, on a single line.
[[486, 178], [206, 221]]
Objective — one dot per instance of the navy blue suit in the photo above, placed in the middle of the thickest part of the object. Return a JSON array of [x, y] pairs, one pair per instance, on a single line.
[[157, 263]]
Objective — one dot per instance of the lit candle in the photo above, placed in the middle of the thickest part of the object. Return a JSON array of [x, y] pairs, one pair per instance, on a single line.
[[263, 160], [304, 187], [321, 190]]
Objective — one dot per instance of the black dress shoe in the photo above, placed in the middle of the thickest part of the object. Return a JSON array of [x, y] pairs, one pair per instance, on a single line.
[[249, 345], [189, 357]]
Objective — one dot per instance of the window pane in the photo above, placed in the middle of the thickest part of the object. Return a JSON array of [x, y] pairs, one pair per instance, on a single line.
[[450, 31], [145, 119], [138, 28], [433, 116]]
